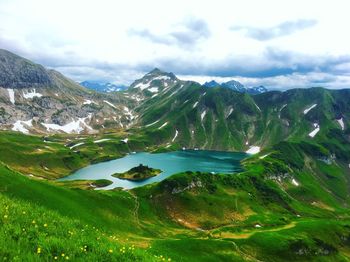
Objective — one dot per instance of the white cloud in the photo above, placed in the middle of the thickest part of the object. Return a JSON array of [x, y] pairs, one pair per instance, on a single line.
[[92, 40]]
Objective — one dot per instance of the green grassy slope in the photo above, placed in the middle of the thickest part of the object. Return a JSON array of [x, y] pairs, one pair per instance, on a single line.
[[259, 214], [219, 118], [59, 155]]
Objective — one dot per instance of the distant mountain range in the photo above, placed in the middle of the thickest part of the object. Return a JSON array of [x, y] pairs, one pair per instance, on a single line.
[[103, 87], [237, 86]]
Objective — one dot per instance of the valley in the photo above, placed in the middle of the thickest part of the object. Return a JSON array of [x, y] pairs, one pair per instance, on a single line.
[[245, 177]]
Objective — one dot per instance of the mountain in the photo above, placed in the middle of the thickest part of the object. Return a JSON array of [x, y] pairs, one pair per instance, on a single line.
[[211, 83], [103, 87], [234, 85], [152, 84], [37, 100], [237, 86], [223, 119], [289, 202], [17, 72], [257, 90], [173, 112]]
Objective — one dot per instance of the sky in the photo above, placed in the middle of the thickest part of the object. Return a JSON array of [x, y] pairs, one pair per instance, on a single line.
[[280, 44]]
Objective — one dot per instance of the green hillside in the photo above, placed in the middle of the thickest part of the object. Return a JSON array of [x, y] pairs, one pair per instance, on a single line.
[[290, 202], [219, 118], [259, 214]]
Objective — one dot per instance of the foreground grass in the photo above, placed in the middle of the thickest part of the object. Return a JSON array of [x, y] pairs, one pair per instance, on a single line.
[[36, 233]]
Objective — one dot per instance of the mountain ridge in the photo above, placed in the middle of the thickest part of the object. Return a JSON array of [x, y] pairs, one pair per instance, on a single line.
[[236, 86], [104, 87], [180, 113]]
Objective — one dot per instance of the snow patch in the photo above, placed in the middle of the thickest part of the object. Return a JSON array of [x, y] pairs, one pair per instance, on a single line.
[[128, 113], [229, 112], [101, 140], [283, 107], [20, 126], [163, 125], [79, 144], [341, 123], [315, 131], [253, 150], [109, 103], [76, 126], [161, 78], [257, 107], [279, 115], [153, 89], [262, 157], [125, 140], [203, 115], [32, 94], [176, 133], [195, 104], [308, 109], [89, 102], [155, 122], [294, 182], [142, 86], [11, 95]]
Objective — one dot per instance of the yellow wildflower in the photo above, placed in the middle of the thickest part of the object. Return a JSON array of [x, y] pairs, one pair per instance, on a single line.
[[55, 258], [5, 216], [110, 251], [38, 250], [45, 225]]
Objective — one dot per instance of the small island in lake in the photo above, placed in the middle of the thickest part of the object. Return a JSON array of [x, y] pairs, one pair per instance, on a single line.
[[138, 173]]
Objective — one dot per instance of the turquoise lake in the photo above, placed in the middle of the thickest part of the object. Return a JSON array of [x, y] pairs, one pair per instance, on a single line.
[[170, 163]]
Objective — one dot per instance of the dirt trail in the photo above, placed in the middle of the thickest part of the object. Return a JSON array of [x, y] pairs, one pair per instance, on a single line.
[[136, 209], [247, 234]]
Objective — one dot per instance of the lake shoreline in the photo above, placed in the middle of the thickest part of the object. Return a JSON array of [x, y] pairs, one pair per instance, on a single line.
[[209, 161]]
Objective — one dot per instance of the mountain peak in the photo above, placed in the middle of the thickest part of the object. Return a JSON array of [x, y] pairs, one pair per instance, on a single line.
[[211, 83], [257, 90], [156, 72], [18, 72], [237, 86]]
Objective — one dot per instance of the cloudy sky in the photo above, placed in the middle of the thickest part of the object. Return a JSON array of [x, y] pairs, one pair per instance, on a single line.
[[276, 43]]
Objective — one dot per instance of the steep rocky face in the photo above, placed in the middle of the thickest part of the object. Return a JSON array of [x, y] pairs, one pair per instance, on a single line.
[[151, 85], [36, 100], [17, 72]]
